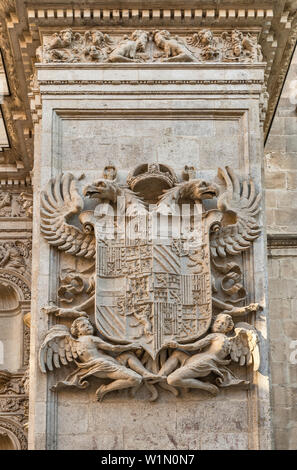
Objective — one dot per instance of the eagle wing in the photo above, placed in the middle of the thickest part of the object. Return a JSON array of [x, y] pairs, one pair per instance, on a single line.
[[58, 347], [60, 201], [240, 206], [244, 345]]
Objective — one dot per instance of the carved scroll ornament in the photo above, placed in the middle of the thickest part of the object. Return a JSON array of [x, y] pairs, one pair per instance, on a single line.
[[154, 46], [162, 319]]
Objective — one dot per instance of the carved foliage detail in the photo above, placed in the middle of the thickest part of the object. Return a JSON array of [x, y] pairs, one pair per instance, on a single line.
[[14, 405], [11, 205], [16, 255], [145, 46]]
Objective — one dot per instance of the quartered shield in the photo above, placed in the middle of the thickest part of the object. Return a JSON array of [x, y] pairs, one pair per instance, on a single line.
[[150, 289]]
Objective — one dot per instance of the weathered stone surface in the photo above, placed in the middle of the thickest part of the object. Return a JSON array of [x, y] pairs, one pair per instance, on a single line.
[[150, 136], [155, 108]]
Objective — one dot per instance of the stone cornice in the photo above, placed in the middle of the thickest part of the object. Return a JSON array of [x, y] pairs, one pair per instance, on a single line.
[[282, 240]]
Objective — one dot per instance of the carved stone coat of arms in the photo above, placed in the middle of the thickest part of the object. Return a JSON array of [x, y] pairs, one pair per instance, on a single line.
[[162, 279]]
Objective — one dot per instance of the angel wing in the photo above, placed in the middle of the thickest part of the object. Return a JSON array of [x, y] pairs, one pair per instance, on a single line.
[[59, 202], [240, 205], [244, 345], [58, 346]]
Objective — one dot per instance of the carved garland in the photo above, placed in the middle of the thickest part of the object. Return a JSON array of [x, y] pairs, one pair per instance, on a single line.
[[15, 432], [95, 46]]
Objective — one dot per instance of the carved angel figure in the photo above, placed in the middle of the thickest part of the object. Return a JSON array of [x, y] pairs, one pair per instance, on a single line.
[[216, 351], [88, 352], [174, 48], [207, 44], [26, 200], [61, 40], [96, 45], [11, 256], [238, 46], [228, 226], [127, 48], [70, 46]]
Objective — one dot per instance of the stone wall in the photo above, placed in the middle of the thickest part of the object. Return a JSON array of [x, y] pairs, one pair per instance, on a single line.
[[281, 206], [281, 161], [176, 116]]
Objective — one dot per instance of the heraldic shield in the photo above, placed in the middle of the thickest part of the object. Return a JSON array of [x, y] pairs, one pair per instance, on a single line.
[[153, 290]]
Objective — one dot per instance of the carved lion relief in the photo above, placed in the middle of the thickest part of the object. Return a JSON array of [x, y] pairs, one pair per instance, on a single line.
[[160, 305], [146, 46]]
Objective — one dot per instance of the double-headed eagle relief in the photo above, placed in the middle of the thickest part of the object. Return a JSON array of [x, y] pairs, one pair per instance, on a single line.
[[163, 294], [150, 46]]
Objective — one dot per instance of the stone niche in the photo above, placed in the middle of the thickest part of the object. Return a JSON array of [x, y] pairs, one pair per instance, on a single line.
[[122, 125]]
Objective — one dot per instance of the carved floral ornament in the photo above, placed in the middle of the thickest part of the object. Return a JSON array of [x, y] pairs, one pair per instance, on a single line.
[[145, 46], [161, 303], [16, 204]]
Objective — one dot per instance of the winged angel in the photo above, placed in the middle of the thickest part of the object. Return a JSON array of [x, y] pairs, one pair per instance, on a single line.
[[232, 230]]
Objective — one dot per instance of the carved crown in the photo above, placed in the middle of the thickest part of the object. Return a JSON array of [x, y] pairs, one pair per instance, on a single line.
[[149, 180]]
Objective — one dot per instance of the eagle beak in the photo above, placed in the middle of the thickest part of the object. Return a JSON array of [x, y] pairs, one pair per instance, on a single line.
[[91, 191]]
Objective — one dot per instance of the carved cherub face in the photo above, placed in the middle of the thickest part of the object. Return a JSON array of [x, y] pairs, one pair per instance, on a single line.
[[141, 37], [223, 324], [82, 327], [205, 36], [97, 38], [66, 35]]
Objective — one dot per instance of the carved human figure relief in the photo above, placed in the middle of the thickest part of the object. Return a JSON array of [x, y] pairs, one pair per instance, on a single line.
[[89, 354], [154, 292], [237, 46], [129, 49], [207, 44], [70, 46], [150, 46], [175, 50], [11, 205], [16, 255]]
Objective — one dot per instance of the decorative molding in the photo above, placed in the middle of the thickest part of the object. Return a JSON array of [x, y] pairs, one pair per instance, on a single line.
[[280, 240], [150, 82], [16, 279], [15, 432], [107, 15], [20, 37]]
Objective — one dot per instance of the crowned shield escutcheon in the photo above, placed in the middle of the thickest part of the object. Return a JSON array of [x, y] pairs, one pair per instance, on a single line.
[[151, 288]]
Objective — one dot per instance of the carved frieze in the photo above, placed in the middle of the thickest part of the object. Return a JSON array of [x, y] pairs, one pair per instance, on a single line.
[[150, 46], [157, 289], [26, 200], [16, 255], [11, 205]]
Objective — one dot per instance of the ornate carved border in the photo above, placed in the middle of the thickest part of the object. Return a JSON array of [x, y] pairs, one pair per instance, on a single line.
[[280, 240], [15, 432], [17, 280]]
